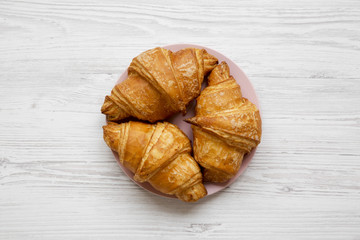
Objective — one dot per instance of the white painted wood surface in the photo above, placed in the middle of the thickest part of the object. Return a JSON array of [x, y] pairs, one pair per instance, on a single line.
[[58, 59]]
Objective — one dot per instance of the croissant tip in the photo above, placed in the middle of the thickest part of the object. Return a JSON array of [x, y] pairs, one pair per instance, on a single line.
[[189, 120], [109, 127], [193, 193], [105, 105]]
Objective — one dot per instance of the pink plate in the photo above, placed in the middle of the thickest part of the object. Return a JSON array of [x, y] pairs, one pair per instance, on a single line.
[[247, 90]]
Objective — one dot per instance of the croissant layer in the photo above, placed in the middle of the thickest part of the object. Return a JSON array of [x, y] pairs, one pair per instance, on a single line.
[[160, 83], [158, 154], [226, 126]]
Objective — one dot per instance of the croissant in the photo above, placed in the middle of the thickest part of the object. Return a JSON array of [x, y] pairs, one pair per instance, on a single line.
[[159, 154], [226, 126], [159, 84]]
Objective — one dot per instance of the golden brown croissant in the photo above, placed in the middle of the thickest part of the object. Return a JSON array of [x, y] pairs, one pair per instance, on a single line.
[[226, 126], [159, 154], [159, 84]]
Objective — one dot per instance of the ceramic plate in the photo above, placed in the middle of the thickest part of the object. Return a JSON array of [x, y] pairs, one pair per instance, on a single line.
[[247, 91]]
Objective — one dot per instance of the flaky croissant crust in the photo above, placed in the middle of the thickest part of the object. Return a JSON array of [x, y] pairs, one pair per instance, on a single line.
[[158, 154], [159, 84], [226, 126]]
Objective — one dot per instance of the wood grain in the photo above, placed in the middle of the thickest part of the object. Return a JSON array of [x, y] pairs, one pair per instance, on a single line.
[[59, 180]]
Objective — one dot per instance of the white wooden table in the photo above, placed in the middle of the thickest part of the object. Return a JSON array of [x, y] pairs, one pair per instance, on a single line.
[[58, 59]]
